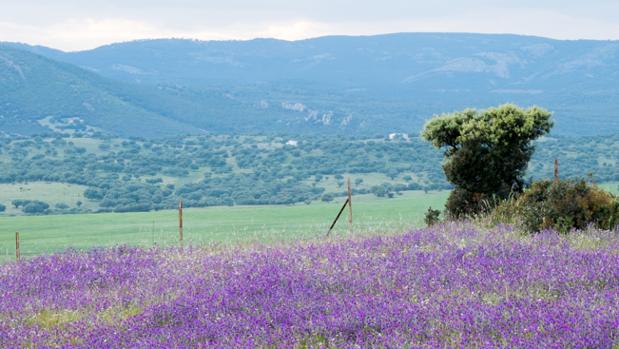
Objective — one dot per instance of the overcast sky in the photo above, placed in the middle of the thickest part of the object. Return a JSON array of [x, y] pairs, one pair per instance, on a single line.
[[79, 24]]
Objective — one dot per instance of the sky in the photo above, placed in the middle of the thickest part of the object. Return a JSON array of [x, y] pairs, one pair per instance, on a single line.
[[79, 25]]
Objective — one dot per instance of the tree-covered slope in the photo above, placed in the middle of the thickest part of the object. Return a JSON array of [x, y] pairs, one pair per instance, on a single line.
[[39, 94], [359, 85], [386, 82]]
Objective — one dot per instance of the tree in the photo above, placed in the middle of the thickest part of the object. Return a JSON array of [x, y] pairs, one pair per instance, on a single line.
[[17, 203], [35, 207], [327, 197], [486, 153]]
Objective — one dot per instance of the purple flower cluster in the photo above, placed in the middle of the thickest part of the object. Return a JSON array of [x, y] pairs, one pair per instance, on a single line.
[[450, 286]]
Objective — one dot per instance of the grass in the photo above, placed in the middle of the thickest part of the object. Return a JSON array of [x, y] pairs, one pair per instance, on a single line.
[[214, 225], [612, 187], [369, 180]]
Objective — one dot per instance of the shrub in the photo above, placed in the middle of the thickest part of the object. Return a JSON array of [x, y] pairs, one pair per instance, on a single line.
[[2, 208], [327, 197], [35, 207], [432, 216], [462, 203], [93, 194], [564, 205], [20, 203], [61, 206]]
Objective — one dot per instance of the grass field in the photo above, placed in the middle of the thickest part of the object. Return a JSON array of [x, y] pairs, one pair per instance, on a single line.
[[612, 187], [238, 225], [46, 234]]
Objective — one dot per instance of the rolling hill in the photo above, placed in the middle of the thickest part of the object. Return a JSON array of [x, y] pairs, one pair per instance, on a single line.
[[39, 94], [358, 85]]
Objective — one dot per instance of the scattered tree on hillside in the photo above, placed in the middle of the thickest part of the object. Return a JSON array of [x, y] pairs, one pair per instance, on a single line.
[[35, 207], [487, 152]]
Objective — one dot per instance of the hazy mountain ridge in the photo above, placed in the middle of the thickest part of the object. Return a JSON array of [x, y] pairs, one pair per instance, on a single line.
[[373, 84], [37, 90]]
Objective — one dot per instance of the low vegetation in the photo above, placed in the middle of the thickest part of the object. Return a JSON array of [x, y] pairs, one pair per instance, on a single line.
[[562, 205], [449, 286]]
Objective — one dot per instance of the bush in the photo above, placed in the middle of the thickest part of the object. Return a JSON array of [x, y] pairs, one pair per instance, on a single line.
[[564, 205], [327, 197], [2, 208], [432, 216], [61, 206], [465, 204], [93, 194], [35, 207], [20, 203]]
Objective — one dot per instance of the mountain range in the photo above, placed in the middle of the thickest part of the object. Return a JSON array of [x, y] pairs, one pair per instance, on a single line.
[[364, 85]]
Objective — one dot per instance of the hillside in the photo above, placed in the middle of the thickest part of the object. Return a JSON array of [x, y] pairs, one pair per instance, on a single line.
[[39, 94], [361, 85]]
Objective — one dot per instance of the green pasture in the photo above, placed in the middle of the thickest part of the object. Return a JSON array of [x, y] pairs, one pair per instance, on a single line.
[[612, 187], [213, 225]]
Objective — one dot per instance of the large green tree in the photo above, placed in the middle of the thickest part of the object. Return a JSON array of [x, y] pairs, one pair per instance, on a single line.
[[486, 152]]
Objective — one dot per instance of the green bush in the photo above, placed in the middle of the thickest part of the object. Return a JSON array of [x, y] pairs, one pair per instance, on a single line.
[[563, 205], [462, 203], [432, 216], [35, 207]]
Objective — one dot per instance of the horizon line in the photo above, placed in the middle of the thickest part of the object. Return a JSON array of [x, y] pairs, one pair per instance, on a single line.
[[302, 39]]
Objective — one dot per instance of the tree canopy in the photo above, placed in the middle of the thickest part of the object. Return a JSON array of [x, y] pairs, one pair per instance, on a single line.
[[487, 151]]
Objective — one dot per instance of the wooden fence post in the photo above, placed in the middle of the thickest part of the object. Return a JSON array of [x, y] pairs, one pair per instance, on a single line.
[[17, 251], [349, 206], [180, 221], [556, 169], [337, 217]]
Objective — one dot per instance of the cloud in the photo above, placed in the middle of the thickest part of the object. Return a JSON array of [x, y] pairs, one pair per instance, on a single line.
[[296, 30], [78, 33], [75, 34], [90, 32]]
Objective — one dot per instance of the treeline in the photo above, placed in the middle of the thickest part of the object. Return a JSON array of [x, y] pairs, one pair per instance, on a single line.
[[141, 175], [212, 170]]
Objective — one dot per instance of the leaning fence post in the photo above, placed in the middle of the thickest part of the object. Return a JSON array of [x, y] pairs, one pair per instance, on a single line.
[[349, 206], [17, 251], [337, 217], [180, 221]]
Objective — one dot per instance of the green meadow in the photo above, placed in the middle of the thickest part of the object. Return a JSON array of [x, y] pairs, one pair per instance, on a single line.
[[214, 225]]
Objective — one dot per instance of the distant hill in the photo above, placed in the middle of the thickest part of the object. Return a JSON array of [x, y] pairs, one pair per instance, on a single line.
[[339, 84], [39, 93]]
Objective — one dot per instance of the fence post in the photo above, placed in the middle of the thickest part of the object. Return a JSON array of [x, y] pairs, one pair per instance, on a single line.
[[337, 217], [180, 221], [349, 206], [17, 251], [556, 169]]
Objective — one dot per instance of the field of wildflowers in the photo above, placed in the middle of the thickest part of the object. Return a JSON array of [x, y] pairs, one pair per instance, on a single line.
[[451, 285]]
